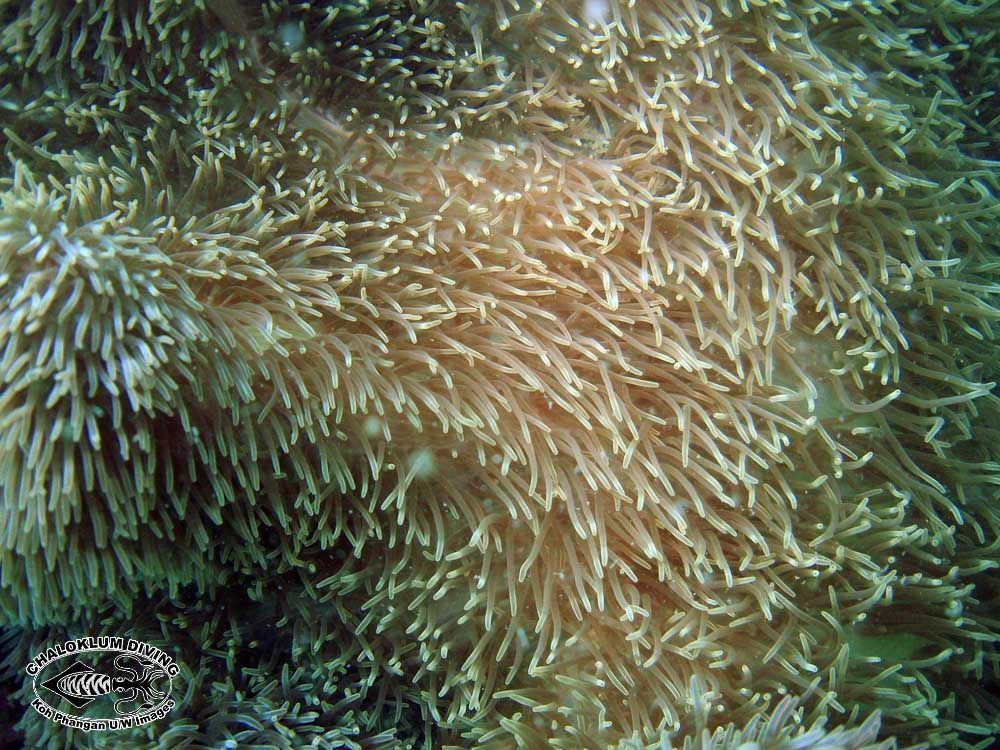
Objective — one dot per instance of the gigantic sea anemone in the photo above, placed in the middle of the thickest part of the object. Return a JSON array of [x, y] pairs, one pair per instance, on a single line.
[[515, 374]]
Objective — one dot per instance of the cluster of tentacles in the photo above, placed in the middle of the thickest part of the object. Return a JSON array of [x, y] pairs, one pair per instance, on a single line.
[[506, 375]]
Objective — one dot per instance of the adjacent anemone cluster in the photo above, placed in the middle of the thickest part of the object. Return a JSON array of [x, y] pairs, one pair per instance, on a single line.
[[507, 375]]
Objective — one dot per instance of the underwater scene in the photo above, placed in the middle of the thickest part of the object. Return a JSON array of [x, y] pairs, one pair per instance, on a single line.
[[501, 375]]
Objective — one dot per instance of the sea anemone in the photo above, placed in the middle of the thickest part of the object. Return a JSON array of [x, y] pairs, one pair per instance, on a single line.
[[554, 374]]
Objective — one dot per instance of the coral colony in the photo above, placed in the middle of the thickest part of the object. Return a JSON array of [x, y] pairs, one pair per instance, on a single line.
[[598, 374]]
